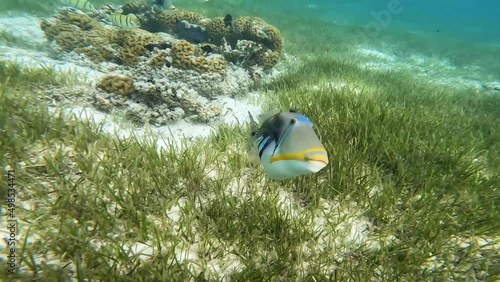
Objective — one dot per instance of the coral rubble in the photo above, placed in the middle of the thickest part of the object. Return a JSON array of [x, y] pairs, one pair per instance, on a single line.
[[174, 66], [196, 29]]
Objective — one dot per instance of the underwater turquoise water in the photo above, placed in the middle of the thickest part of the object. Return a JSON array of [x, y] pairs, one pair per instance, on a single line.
[[465, 20], [464, 32]]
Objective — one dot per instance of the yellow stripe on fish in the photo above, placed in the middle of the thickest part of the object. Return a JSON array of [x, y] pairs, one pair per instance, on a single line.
[[286, 145], [313, 154], [80, 4], [125, 21]]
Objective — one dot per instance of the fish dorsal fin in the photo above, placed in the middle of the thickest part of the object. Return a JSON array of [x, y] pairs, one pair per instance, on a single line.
[[253, 124], [267, 115]]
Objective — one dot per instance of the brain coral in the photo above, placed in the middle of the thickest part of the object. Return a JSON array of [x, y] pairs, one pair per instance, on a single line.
[[168, 22], [134, 43], [72, 31], [183, 57], [217, 31], [248, 28], [117, 84], [256, 29], [78, 32], [157, 77]]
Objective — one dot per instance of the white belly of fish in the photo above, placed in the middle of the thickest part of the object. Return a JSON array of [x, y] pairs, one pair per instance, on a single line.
[[280, 170]]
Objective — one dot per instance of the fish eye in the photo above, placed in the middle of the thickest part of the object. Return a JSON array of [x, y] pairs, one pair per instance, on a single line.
[[293, 121]]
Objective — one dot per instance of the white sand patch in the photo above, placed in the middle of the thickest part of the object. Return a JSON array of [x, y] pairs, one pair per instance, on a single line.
[[221, 263], [287, 202], [239, 186], [186, 252], [27, 27], [41, 60], [174, 213], [235, 112], [225, 262], [374, 53], [478, 248], [142, 250], [345, 226], [225, 265], [337, 85], [438, 70], [342, 228]]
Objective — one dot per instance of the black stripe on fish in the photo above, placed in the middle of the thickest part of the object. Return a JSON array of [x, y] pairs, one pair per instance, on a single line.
[[263, 144], [285, 134]]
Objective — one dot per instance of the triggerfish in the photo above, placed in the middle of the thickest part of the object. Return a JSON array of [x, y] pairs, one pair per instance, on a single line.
[[286, 145]]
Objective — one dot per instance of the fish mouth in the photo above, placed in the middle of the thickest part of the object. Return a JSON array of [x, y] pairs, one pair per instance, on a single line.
[[317, 158]]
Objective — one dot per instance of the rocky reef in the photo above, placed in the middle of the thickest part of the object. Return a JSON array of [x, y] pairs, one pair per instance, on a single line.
[[173, 66]]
